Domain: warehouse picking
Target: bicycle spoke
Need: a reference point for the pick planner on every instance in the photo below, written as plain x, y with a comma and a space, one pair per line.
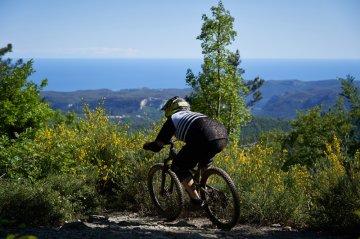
169, 198
222, 203
220, 199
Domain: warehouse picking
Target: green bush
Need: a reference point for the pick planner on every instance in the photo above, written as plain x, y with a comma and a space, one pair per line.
50, 201
267, 193
336, 208
132, 193
32, 204
19, 158
80, 192
337, 201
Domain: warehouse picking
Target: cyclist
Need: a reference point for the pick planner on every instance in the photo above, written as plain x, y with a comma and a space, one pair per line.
204, 138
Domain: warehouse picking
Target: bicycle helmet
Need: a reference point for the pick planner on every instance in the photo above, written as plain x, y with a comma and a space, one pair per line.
174, 105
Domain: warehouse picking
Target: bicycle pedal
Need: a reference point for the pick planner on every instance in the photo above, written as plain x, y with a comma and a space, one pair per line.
197, 202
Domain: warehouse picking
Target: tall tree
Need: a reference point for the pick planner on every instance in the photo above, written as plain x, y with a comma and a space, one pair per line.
21, 108
351, 94
219, 90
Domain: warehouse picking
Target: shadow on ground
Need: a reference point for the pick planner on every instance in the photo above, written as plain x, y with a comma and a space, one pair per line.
132, 226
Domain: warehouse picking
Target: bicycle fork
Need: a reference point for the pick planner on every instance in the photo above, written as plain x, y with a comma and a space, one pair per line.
164, 191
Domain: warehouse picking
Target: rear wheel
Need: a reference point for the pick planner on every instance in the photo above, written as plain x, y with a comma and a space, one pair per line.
169, 200
222, 203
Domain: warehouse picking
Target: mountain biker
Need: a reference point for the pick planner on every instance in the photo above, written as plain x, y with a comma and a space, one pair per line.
204, 138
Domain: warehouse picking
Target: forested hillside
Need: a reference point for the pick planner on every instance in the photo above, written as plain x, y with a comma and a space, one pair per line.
281, 99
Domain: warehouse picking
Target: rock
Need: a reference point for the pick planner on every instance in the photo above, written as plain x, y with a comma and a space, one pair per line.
276, 225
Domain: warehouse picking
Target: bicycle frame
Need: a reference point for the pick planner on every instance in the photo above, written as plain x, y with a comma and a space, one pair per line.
172, 155
196, 173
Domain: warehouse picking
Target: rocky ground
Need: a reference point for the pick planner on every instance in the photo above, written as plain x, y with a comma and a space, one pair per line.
133, 226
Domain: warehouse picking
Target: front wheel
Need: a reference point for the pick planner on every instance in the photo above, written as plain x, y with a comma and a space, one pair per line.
165, 191
222, 203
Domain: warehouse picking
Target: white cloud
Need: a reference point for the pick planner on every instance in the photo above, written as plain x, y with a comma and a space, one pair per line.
91, 52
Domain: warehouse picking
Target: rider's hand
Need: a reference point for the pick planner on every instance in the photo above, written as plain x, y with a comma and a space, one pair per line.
147, 146
155, 146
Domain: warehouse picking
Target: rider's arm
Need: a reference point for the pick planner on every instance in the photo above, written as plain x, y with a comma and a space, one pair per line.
163, 138
155, 146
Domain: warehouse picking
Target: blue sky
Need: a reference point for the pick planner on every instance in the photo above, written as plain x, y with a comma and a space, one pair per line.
168, 28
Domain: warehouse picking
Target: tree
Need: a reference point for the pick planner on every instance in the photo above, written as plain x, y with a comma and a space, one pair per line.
351, 94
311, 131
219, 90
21, 107
305, 144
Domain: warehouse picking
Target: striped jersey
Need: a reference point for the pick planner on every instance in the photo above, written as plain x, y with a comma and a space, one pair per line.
192, 128
182, 121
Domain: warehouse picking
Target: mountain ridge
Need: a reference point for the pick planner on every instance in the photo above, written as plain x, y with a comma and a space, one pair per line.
281, 99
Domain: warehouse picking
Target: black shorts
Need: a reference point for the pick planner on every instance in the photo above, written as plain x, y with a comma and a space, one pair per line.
191, 155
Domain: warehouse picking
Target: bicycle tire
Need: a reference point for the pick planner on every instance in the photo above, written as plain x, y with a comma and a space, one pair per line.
222, 204
171, 204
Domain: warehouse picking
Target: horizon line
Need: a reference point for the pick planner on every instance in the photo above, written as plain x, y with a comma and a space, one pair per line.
175, 58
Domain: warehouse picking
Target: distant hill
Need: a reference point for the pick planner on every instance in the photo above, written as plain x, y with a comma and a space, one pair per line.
281, 99
116, 102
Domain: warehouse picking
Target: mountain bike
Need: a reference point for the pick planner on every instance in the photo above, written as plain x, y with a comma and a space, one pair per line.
216, 189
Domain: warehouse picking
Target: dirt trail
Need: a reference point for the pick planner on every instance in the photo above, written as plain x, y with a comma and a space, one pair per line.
133, 226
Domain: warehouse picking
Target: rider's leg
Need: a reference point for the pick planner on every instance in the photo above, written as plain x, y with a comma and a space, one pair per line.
189, 156
210, 150
190, 188
202, 169
182, 165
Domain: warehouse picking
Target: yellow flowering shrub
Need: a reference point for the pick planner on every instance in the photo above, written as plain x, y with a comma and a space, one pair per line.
334, 156
327, 174
324, 194
267, 192
96, 144
336, 189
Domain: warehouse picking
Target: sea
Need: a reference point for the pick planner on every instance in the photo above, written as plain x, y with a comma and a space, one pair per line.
116, 74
